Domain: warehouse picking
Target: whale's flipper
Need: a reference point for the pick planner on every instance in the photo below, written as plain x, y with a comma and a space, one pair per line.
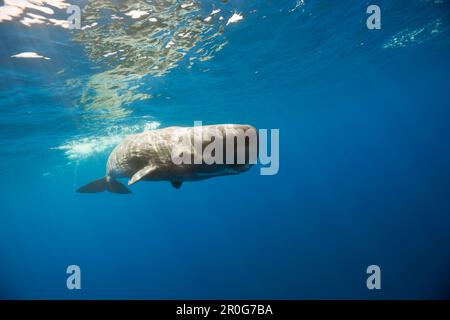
103, 184
138, 176
176, 184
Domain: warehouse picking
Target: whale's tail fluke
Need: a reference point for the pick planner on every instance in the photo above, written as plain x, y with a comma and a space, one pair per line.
103, 184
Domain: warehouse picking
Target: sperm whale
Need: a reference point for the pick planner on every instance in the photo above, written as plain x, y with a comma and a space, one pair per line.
178, 154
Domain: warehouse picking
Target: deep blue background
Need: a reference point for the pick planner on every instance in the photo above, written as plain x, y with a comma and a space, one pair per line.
364, 166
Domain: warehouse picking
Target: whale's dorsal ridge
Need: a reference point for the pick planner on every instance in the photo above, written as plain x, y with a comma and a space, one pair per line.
138, 176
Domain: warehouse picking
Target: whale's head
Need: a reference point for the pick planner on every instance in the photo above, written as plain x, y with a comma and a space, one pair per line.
224, 148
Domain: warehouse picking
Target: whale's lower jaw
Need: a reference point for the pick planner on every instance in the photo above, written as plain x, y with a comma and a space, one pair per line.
109, 183
193, 172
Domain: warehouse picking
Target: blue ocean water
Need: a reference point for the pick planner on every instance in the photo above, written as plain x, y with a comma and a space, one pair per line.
364, 173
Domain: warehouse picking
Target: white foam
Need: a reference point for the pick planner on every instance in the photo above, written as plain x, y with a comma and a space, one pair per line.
169, 44
109, 54
85, 147
298, 4
89, 26
416, 36
187, 5
29, 55
136, 14
236, 17
18, 9
114, 17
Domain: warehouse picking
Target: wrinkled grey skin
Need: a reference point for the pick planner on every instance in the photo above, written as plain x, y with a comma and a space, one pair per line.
148, 156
